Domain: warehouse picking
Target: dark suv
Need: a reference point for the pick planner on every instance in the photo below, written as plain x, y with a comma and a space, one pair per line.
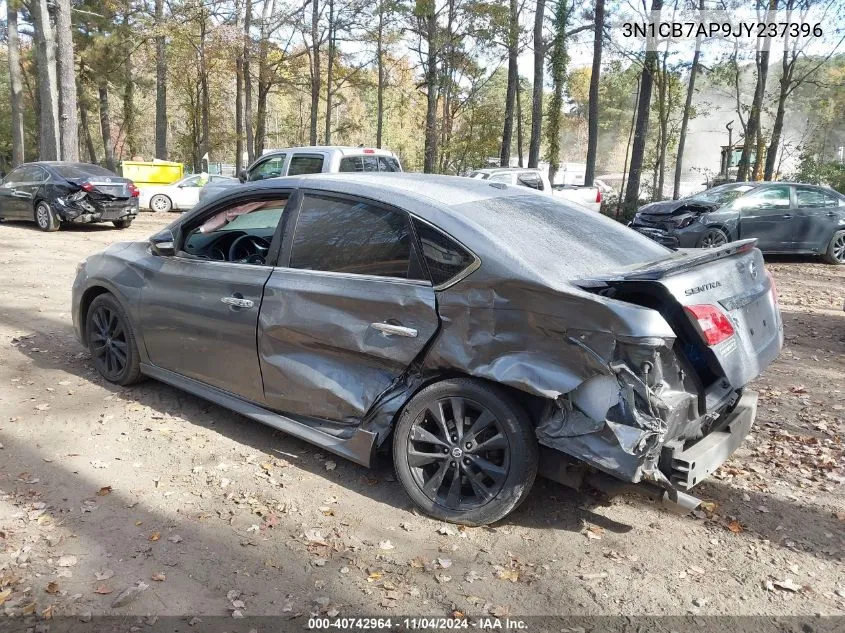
784, 217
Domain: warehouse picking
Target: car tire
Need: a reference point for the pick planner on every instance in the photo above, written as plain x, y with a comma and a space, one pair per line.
111, 341
161, 203
125, 223
835, 253
713, 237
457, 477
45, 217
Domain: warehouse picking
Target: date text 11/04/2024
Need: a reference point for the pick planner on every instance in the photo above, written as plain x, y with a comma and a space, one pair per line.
486, 623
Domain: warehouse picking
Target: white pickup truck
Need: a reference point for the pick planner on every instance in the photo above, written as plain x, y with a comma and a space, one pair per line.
589, 197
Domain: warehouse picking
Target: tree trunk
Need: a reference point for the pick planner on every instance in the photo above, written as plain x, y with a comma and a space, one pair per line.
264, 78
632, 191
537, 88
161, 83
315, 69
513, 78
519, 123
129, 102
205, 99
68, 126
663, 140
239, 113
558, 62
84, 124
682, 138
593, 105
15, 83
330, 73
777, 127
48, 139
105, 126
430, 149
628, 150
248, 118
380, 65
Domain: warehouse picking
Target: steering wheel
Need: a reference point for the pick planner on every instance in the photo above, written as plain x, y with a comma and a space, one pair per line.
253, 249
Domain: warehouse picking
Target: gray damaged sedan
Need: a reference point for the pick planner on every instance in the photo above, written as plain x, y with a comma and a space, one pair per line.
486, 332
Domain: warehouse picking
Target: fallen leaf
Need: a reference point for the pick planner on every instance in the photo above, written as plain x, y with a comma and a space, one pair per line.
446, 530
417, 562
735, 527
102, 492
386, 545
52, 587
500, 611
444, 563
442, 578
67, 561
374, 576
708, 506
47, 614
175, 538
103, 588
130, 594
103, 574
788, 584
330, 465
507, 574
472, 575
28, 609
159, 577
4, 595
155, 536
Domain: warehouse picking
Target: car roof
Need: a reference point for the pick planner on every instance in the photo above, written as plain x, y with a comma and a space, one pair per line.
498, 170
345, 150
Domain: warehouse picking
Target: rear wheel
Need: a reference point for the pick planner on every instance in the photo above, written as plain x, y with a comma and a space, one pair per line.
836, 249
160, 202
125, 223
112, 341
45, 218
713, 238
465, 452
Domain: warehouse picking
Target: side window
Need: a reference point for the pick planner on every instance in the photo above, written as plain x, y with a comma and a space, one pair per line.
305, 164
832, 200
270, 168
530, 179
388, 163
16, 175
240, 233
808, 197
766, 198
193, 181
32, 173
444, 257
351, 163
335, 235
508, 178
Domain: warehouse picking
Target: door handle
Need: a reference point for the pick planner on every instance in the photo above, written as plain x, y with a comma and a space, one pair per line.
388, 329
237, 302
831, 214
787, 216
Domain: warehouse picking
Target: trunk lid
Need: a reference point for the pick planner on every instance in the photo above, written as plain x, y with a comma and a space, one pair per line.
104, 189
730, 281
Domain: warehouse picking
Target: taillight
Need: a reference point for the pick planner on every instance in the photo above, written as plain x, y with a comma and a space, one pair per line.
774, 287
134, 192
87, 186
598, 195
713, 324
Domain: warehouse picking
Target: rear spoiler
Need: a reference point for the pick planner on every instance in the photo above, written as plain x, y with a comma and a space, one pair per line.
681, 260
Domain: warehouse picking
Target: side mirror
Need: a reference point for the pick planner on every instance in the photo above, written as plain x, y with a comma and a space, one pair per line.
163, 243
243, 176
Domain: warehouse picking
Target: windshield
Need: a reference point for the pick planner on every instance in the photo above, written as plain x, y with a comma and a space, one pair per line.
82, 170
250, 215
723, 193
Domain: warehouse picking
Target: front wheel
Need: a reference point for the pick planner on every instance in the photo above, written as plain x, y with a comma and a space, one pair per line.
836, 249
46, 218
112, 341
125, 223
713, 238
160, 203
465, 452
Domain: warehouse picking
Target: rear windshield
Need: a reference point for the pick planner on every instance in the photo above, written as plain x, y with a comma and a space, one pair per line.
559, 239
82, 170
369, 162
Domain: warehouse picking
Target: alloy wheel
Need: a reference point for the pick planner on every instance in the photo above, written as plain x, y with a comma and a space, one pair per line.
108, 342
160, 203
42, 216
713, 239
458, 453
838, 249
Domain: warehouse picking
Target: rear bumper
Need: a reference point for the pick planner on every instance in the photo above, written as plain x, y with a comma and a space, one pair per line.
689, 466
85, 211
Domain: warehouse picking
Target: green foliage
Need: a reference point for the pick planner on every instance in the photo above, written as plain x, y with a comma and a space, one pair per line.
820, 172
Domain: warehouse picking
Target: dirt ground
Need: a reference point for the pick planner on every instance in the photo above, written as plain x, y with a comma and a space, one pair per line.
207, 513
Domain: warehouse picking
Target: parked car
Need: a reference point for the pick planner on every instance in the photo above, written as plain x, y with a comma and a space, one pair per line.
297, 161
180, 195
589, 197
52, 193
485, 331
784, 218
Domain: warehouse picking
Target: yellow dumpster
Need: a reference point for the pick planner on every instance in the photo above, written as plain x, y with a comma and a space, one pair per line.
153, 172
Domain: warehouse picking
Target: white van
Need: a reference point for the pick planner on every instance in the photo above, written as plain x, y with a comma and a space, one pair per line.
295, 161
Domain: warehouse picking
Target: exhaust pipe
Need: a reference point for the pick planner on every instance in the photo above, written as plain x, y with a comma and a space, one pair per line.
673, 499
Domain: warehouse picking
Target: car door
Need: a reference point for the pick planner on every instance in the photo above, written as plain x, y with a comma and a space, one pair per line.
306, 163
11, 206
767, 214
348, 314
187, 193
31, 180
198, 316
816, 218
271, 166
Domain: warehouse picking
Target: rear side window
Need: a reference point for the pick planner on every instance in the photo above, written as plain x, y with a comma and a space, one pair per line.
530, 179
369, 163
346, 236
388, 163
444, 257
808, 197
305, 164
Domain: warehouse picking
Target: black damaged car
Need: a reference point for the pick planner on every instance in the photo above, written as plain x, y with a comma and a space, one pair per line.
52, 193
783, 217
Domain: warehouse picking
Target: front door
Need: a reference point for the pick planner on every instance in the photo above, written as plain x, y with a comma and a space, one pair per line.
817, 218
187, 193
199, 309
349, 314
11, 205
767, 214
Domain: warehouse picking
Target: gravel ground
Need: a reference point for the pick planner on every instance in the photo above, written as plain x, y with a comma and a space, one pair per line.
207, 513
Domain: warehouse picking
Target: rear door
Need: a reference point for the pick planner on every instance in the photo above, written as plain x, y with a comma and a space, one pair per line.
816, 218
350, 312
767, 214
11, 206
